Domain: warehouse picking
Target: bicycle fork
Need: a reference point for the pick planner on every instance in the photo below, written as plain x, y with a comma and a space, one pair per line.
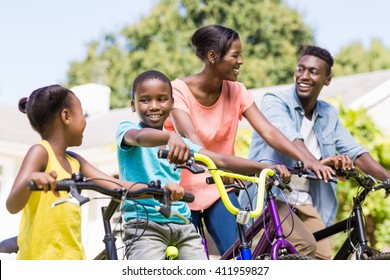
245, 250
363, 246
109, 238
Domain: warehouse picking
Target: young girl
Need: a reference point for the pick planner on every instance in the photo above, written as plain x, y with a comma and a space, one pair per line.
45, 232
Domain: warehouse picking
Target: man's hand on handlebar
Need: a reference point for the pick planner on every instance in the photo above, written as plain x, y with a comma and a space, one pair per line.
339, 162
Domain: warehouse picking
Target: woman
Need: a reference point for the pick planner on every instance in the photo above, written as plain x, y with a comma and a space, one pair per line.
208, 107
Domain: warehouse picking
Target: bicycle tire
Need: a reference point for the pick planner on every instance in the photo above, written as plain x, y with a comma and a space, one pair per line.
101, 256
290, 257
380, 256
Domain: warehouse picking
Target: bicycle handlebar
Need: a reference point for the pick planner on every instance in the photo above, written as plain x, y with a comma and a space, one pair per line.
78, 183
217, 175
366, 181
298, 169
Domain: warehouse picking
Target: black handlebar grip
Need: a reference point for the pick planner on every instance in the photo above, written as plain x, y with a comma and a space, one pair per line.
188, 197
32, 186
162, 153
62, 185
210, 180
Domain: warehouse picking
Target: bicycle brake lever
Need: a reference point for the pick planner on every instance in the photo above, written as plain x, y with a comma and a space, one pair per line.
75, 198
278, 182
165, 208
308, 174
65, 200
387, 184
75, 193
191, 166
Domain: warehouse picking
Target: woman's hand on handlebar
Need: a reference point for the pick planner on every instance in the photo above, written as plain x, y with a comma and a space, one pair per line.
45, 181
177, 192
283, 171
322, 171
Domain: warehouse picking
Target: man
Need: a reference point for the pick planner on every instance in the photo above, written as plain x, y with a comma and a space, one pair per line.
314, 125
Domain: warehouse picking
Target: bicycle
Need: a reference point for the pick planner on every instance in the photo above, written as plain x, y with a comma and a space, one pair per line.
356, 240
272, 244
78, 183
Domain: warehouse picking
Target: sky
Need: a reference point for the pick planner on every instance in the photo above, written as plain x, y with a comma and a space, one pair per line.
40, 38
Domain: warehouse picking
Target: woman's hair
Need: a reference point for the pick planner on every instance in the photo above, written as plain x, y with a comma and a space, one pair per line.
44, 104
320, 53
213, 37
150, 75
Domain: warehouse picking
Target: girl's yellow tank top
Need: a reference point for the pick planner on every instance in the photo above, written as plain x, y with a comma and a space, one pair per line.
51, 233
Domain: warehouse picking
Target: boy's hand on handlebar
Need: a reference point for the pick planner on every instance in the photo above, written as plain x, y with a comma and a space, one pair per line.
284, 173
177, 192
322, 171
45, 181
178, 152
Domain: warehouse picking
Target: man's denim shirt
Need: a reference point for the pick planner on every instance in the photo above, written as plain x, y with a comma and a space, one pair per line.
285, 112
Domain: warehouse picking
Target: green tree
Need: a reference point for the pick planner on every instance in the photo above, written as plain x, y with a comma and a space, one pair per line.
375, 206
353, 58
271, 32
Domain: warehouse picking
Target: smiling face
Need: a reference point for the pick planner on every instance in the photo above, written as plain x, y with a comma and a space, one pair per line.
310, 76
229, 65
153, 102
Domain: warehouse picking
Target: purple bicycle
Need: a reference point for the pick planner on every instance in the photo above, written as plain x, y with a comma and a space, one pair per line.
272, 244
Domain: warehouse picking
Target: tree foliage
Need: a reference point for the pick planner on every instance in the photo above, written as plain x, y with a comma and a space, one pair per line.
375, 206
353, 58
271, 32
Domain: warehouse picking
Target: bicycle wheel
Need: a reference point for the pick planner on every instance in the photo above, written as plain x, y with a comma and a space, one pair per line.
101, 256
380, 256
295, 257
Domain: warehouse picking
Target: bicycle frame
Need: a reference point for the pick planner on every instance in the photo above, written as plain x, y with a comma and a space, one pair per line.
272, 242
242, 216
357, 238
110, 251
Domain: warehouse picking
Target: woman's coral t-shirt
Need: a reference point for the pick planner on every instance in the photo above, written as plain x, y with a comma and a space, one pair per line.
216, 125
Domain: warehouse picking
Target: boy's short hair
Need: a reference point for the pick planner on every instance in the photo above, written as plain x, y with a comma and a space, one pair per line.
151, 75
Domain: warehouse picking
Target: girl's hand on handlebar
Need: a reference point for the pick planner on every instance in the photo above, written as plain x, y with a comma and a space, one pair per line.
177, 192
45, 181
322, 171
178, 152
284, 173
